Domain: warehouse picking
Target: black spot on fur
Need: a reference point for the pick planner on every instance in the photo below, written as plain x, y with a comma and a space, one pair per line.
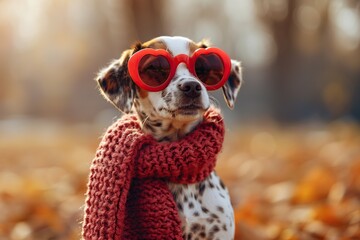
195, 227
202, 234
224, 227
163, 93
175, 195
213, 230
168, 98
185, 198
201, 188
222, 184
210, 220
213, 215
180, 206
204, 209
191, 205
196, 214
189, 236
220, 209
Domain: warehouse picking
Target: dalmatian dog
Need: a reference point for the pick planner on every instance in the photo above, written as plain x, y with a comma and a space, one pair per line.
170, 100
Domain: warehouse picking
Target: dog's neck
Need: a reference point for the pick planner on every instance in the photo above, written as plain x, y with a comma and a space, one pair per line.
167, 129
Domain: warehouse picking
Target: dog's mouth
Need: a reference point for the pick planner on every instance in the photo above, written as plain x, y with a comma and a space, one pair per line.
186, 110
189, 109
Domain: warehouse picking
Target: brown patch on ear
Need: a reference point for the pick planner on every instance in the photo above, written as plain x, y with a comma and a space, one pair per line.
115, 83
107, 84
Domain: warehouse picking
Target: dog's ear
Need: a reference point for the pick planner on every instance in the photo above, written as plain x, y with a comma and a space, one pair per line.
115, 83
233, 84
204, 43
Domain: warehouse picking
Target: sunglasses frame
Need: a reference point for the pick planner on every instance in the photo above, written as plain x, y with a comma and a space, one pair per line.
133, 66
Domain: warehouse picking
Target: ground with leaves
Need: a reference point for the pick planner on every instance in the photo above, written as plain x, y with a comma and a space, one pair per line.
299, 182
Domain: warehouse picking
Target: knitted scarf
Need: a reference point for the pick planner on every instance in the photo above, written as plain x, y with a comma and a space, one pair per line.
128, 196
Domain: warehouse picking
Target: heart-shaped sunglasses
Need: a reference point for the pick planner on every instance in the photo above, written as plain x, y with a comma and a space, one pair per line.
153, 69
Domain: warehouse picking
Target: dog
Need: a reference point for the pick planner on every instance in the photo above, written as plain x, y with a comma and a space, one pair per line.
173, 110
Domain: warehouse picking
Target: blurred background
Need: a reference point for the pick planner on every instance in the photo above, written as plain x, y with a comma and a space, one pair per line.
291, 158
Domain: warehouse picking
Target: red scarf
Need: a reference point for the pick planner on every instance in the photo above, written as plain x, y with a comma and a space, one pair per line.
128, 196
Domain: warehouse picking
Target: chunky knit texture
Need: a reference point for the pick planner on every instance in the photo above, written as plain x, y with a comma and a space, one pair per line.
128, 196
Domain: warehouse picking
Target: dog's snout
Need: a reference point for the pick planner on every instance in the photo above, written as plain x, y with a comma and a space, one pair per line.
190, 89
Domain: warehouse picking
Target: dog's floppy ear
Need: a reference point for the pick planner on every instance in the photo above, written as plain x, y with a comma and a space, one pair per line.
233, 84
115, 83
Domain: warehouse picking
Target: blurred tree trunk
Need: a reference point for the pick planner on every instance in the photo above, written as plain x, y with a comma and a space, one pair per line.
282, 69
147, 18
295, 74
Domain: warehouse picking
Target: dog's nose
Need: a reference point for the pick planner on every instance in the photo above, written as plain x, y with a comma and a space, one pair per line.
190, 89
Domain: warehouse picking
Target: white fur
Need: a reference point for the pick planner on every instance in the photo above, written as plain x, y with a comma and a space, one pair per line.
177, 45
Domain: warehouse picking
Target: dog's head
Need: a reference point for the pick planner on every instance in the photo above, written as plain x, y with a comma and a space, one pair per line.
185, 98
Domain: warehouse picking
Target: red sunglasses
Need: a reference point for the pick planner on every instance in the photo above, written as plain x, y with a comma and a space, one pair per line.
153, 69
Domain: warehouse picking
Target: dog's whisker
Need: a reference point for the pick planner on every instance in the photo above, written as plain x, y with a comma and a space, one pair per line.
143, 122
168, 93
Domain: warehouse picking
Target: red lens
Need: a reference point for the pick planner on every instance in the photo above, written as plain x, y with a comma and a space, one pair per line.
154, 70
209, 68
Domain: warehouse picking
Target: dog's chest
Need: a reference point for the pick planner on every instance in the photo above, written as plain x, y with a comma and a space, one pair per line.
205, 209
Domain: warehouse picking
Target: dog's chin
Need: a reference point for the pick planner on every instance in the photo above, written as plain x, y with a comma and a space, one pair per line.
188, 116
